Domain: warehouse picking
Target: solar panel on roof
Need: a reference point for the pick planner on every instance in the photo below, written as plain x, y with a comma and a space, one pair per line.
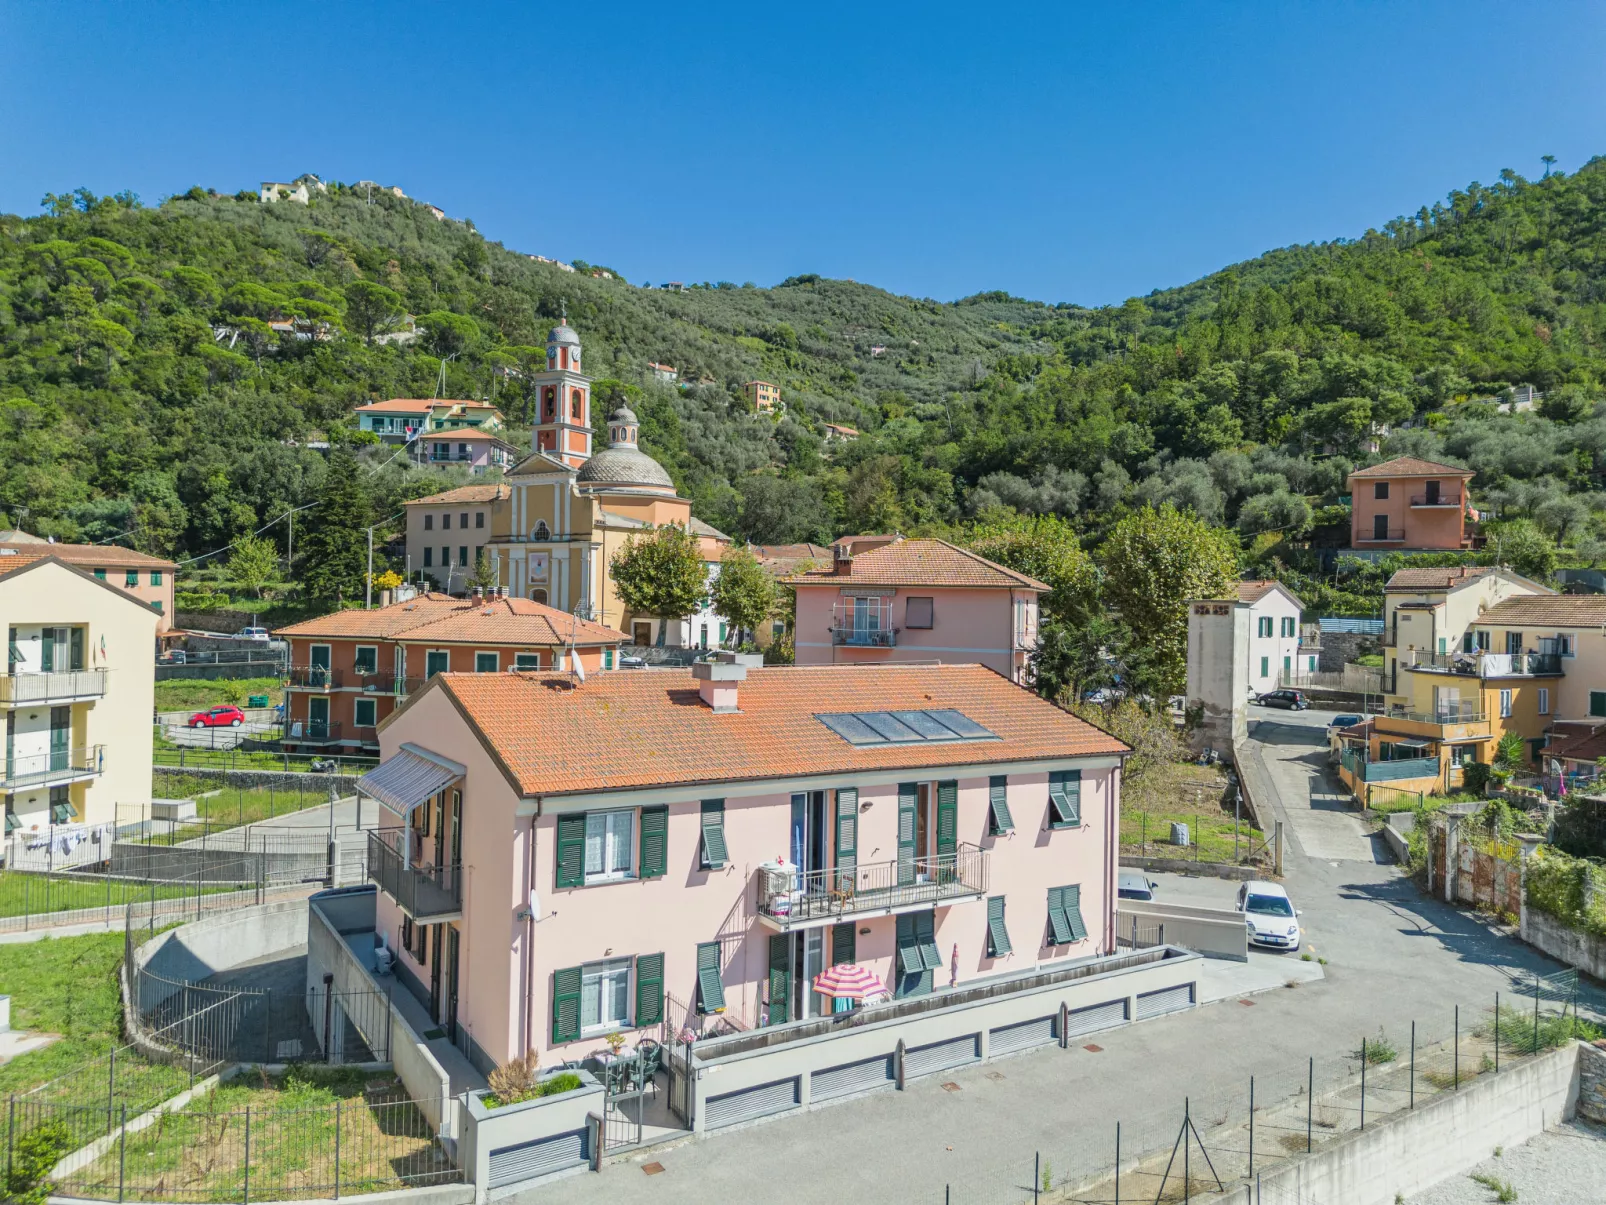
866, 729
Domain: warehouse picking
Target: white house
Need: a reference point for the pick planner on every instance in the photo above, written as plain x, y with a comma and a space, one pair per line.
1238, 647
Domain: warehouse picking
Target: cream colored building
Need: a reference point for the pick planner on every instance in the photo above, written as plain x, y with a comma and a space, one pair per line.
1428, 612
78, 697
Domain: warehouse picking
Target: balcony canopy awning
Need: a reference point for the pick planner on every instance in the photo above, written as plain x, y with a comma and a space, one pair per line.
408, 777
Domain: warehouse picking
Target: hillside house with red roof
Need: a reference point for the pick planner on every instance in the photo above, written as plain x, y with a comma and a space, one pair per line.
1409, 504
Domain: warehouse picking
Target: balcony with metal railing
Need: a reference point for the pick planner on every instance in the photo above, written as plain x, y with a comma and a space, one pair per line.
1485, 665
863, 623
1394, 535
1435, 499
1451, 722
314, 677
1310, 637
71, 686
800, 899
54, 768
425, 892
1355, 761
312, 732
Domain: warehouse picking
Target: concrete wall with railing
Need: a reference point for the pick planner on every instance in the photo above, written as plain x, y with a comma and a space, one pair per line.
204, 947
803, 1050
1213, 932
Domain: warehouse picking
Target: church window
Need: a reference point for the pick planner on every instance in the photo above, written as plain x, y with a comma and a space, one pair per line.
576, 402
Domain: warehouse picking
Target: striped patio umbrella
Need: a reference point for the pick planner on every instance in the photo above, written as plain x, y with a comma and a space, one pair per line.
848, 980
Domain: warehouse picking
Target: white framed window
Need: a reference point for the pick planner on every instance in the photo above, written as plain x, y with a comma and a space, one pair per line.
1288, 625
1544, 700
1505, 704
605, 996
365, 712
365, 659
526, 660
609, 842
1565, 646
486, 663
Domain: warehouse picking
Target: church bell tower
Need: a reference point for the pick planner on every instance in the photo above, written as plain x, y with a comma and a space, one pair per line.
563, 400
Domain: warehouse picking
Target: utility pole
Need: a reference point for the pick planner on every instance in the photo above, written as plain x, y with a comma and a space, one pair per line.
368, 584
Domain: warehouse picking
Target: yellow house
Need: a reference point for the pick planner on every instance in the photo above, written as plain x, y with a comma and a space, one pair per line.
78, 697
568, 512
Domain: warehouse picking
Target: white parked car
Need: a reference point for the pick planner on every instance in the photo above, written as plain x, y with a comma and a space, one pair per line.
1269, 915
1135, 885
254, 634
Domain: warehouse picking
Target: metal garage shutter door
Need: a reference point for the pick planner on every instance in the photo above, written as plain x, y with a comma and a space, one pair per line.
511, 1164
749, 1103
1022, 1036
1094, 1018
1166, 1000
851, 1077
939, 1056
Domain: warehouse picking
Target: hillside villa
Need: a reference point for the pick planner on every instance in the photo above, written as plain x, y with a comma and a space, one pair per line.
446, 531
1407, 504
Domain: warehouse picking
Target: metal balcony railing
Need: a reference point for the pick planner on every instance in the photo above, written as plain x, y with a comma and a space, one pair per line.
426, 893
52, 688
1435, 499
373, 681
801, 897
1467, 713
315, 677
1392, 536
58, 765
866, 638
1490, 665
1310, 635
309, 732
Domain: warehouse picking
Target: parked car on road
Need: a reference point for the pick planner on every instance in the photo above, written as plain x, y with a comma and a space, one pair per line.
1135, 885
631, 661
226, 716
1293, 700
1345, 721
254, 634
1269, 915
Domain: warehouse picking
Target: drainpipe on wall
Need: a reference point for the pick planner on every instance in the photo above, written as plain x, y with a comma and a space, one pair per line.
529, 939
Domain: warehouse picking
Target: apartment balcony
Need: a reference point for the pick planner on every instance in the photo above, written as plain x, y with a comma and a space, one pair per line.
372, 682
1486, 665
1400, 770
1310, 637
1392, 536
315, 678
56, 768
1452, 501
1457, 724
428, 894
74, 686
865, 638
312, 732
790, 899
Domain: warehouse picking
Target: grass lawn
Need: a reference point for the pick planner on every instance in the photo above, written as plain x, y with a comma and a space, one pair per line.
193, 694
231, 806
199, 1154
165, 753
1190, 794
23, 893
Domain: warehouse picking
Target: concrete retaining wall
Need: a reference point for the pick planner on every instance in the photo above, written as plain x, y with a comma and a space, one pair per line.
204, 947
486, 1130
1213, 932
1582, 950
1413, 1150
1216, 870
278, 779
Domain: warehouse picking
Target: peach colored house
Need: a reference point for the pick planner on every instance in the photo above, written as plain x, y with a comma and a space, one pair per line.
446, 531
561, 860
350, 669
148, 579
1406, 503
885, 598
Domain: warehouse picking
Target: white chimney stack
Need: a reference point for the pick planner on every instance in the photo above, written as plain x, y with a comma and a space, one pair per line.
717, 680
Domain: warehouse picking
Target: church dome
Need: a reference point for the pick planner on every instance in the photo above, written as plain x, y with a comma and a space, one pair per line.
563, 333
624, 466
625, 415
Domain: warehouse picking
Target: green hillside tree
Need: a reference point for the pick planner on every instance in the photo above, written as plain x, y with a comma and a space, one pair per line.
661, 573
743, 593
334, 552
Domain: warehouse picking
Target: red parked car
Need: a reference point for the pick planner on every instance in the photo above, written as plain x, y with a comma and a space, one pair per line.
227, 716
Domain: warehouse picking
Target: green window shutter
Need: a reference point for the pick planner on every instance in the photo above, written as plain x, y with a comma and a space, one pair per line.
572, 850
926, 938
1071, 898
780, 979
654, 860
997, 932
566, 1004
711, 992
1065, 798
947, 818
649, 989
847, 836
715, 855
999, 821
909, 960
844, 944
908, 795
1059, 925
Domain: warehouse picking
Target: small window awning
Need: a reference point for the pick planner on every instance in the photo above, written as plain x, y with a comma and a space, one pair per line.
408, 777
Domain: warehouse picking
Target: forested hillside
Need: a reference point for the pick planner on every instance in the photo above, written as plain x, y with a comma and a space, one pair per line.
142, 390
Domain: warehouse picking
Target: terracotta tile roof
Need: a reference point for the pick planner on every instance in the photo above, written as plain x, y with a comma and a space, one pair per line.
553, 736
920, 563
1410, 466
1562, 610
1444, 578
442, 619
782, 560
1253, 592
94, 555
465, 493
1586, 746
420, 405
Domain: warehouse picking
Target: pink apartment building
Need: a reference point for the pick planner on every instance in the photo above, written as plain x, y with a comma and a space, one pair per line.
885, 598
1406, 503
563, 859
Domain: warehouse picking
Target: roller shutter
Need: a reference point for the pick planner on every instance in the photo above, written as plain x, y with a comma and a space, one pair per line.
1021, 1036
734, 1107
851, 1077
1166, 1000
1095, 1017
511, 1164
939, 1056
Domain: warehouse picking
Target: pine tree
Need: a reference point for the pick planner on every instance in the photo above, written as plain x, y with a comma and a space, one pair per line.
334, 556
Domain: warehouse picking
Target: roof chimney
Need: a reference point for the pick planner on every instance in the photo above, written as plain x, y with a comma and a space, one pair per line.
842, 563
717, 680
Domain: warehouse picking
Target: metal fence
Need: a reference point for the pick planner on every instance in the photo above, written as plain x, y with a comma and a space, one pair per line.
1208, 1144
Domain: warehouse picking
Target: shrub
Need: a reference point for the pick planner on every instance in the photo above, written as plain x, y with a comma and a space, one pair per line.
1572, 890
1475, 778
34, 1154
514, 1081
566, 1081
1378, 1050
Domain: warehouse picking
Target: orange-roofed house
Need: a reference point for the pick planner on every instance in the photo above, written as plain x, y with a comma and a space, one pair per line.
1407, 503
446, 531
886, 598
686, 850
147, 579
351, 669
441, 431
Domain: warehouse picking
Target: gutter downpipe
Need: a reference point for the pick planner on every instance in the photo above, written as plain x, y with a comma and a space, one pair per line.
529, 936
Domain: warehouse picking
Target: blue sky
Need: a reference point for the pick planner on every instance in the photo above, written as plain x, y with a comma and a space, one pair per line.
1067, 152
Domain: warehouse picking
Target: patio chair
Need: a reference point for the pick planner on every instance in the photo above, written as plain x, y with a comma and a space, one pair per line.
651, 1062
616, 1076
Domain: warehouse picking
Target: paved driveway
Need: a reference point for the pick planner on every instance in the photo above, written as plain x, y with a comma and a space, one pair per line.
1393, 956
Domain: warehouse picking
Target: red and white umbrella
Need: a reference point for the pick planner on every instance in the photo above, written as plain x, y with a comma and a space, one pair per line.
849, 980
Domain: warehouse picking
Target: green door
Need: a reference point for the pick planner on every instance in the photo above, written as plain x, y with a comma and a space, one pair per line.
780, 978
319, 661
60, 737
317, 718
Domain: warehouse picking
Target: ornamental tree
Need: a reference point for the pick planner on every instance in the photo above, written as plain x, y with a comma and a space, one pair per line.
661, 572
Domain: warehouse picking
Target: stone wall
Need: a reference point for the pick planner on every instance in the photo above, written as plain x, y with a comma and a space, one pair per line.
1340, 648
1592, 1082
1582, 950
